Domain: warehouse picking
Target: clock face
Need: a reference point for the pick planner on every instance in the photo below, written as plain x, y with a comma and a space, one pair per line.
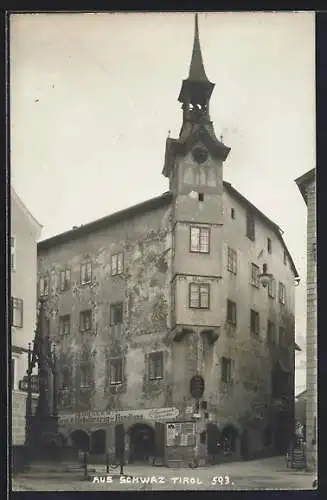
199, 155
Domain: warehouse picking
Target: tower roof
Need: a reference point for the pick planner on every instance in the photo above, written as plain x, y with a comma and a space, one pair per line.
196, 88
197, 72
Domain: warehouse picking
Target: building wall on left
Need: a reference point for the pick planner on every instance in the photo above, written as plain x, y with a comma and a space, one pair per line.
25, 231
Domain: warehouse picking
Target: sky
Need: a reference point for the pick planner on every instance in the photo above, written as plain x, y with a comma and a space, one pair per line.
94, 96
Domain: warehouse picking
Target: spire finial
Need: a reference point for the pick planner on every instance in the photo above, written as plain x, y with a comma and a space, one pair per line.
197, 72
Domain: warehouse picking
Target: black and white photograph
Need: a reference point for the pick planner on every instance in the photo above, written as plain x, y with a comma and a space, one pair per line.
163, 310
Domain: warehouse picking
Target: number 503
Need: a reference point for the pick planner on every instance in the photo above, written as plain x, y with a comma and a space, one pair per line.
221, 480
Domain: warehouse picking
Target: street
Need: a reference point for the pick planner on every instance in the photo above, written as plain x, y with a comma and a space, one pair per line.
269, 473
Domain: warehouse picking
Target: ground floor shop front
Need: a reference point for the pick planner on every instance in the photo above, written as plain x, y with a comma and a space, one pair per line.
169, 436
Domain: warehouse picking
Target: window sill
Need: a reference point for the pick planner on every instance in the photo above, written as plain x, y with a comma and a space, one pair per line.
115, 384
153, 379
86, 283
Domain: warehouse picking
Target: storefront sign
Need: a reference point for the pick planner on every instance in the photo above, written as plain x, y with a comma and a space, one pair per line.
116, 416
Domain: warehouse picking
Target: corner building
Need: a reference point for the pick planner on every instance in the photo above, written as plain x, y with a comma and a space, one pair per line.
142, 300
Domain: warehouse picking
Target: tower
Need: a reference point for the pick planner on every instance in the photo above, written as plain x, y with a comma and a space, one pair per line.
194, 166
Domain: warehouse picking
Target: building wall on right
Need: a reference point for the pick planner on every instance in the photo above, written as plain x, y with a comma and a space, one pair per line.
307, 186
311, 415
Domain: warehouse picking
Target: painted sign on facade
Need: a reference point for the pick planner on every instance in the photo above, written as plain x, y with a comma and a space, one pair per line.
116, 416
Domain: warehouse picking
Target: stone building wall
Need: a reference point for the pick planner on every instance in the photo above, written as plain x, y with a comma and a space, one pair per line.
311, 416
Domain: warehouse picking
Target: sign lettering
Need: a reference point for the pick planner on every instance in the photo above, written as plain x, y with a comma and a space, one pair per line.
116, 416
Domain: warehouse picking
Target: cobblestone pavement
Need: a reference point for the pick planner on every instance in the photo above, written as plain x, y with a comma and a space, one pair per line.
261, 474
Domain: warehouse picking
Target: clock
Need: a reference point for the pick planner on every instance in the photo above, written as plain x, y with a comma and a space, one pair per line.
200, 155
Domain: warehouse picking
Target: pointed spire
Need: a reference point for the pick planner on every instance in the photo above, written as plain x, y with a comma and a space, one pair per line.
196, 89
197, 72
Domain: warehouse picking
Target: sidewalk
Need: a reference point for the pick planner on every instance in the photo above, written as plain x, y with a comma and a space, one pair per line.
268, 473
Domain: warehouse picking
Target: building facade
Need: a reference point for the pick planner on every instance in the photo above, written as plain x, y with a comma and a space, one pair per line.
25, 231
307, 187
142, 300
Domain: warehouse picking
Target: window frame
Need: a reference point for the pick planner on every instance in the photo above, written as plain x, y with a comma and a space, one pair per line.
44, 290
112, 307
20, 302
271, 332
231, 306
83, 314
64, 319
272, 286
64, 371
85, 371
13, 253
226, 370
255, 314
198, 286
201, 230
250, 226
255, 281
152, 371
116, 270
281, 296
282, 336
85, 265
111, 363
65, 283
232, 260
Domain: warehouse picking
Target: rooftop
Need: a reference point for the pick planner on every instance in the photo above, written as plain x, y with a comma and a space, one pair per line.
151, 204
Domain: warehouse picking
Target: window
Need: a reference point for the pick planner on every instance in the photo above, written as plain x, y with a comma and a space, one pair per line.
255, 322
282, 337
16, 312
85, 376
226, 370
155, 365
65, 279
250, 226
13, 253
201, 197
116, 313
85, 320
199, 295
199, 239
116, 371
231, 312
272, 288
64, 325
203, 437
268, 245
232, 213
117, 264
271, 332
255, 272
66, 378
86, 273
281, 293
44, 286
232, 261
285, 258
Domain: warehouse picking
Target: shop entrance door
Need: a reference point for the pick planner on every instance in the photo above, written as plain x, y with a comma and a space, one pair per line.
142, 443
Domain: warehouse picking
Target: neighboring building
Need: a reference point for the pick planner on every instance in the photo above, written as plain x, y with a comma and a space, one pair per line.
307, 186
141, 300
25, 231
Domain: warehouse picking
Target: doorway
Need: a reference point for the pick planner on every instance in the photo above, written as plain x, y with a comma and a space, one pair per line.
141, 443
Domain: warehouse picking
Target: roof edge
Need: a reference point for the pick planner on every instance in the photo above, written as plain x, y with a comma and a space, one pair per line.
272, 224
108, 220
